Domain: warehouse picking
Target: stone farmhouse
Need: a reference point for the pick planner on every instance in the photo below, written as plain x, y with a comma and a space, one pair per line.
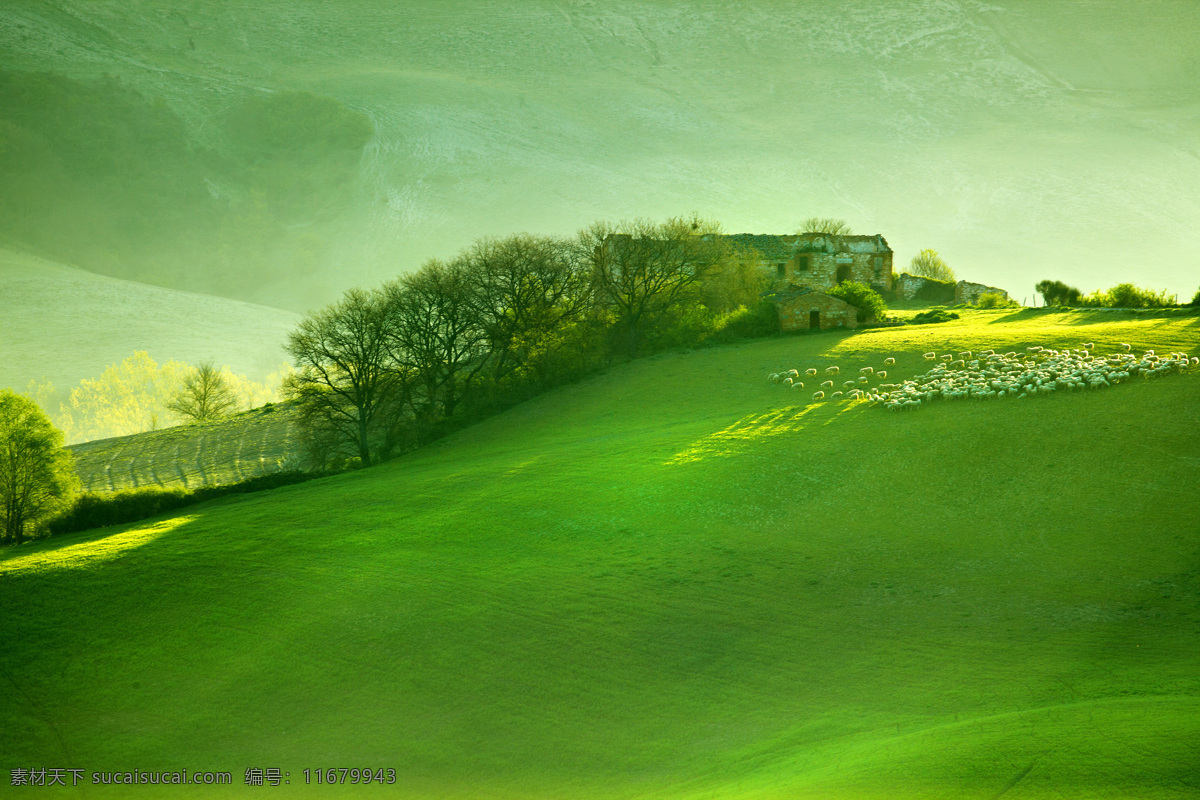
802, 266
822, 260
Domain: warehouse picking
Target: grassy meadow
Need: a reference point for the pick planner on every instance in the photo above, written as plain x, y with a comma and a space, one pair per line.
674, 580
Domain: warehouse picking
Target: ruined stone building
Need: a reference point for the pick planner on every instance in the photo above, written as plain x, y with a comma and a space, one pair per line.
801, 267
822, 260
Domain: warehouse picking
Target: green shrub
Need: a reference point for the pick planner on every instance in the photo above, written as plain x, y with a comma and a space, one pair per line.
994, 300
928, 264
868, 302
1057, 293
933, 315
748, 322
1195, 299
1126, 295
98, 509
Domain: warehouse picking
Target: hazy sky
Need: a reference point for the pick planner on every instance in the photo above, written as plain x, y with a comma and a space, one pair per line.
1023, 140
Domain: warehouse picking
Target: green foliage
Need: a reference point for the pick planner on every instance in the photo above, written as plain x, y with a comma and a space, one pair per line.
1195, 299
647, 272
995, 300
748, 322
928, 264
870, 305
1057, 293
1127, 295
141, 395
205, 395
933, 315
837, 227
36, 473
347, 387
100, 509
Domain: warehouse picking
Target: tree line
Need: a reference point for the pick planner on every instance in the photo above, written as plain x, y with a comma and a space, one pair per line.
385, 369
1123, 295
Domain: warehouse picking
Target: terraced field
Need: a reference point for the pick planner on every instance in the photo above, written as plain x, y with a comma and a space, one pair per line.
243, 446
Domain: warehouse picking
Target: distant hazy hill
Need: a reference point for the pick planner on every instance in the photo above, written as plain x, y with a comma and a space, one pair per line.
1022, 140
66, 324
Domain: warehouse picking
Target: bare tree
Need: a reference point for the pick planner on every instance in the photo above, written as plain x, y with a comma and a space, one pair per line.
205, 395
837, 227
345, 385
435, 335
36, 473
928, 264
526, 288
642, 269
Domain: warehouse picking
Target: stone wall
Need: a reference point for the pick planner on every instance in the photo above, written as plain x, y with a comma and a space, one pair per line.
908, 287
966, 292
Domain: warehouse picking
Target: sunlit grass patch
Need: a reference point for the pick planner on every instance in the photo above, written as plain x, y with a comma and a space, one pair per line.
54, 555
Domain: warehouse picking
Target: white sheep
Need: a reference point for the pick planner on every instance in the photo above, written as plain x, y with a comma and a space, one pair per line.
848, 384
887, 362
1088, 345
835, 396
797, 385
818, 396
810, 371
930, 356
1125, 345
864, 379
787, 381
832, 370
791, 373
867, 370
826, 384
947, 357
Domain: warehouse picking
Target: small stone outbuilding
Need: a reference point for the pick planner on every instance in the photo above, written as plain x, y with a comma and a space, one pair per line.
802, 308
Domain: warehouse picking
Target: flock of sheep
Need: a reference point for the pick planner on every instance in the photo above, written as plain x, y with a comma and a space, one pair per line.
1040, 370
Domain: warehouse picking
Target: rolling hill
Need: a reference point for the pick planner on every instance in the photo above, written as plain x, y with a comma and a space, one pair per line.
671, 580
64, 324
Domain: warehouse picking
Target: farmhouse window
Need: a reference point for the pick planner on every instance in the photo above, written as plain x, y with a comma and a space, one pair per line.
781, 270
802, 263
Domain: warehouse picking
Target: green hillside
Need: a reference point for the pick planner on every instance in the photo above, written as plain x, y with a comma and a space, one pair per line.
672, 580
